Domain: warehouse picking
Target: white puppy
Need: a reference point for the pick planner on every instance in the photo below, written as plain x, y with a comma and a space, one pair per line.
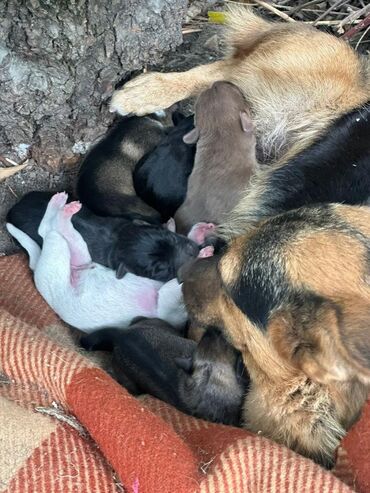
87, 295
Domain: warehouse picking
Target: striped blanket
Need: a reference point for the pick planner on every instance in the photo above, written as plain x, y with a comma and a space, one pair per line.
68, 427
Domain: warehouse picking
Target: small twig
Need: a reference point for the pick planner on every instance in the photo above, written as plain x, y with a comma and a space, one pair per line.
274, 10
190, 31
6, 172
332, 7
307, 4
353, 16
362, 37
360, 26
13, 192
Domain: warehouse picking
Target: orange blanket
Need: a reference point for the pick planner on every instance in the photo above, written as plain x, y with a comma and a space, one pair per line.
68, 427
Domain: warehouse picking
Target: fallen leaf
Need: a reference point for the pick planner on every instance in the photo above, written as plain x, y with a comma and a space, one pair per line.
6, 172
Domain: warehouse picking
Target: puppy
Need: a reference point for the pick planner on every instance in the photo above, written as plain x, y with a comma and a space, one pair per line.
142, 249
225, 158
335, 168
293, 296
296, 80
161, 176
85, 294
105, 178
205, 380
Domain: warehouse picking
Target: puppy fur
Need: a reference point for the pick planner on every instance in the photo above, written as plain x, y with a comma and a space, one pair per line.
296, 80
225, 157
85, 294
293, 296
335, 168
142, 249
206, 380
105, 178
161, 176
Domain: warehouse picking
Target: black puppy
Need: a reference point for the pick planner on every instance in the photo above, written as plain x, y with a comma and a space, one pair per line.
207, 380
161, 176
142, 249
105, 178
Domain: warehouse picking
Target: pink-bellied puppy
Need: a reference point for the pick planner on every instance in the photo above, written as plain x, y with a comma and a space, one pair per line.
85, 294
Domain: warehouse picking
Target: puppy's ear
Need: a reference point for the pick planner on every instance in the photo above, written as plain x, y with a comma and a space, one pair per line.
121, 270
171, 225
246, 122
307, 334
192, 136
185, 364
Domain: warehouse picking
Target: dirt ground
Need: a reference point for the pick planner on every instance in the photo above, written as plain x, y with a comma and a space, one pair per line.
197, 48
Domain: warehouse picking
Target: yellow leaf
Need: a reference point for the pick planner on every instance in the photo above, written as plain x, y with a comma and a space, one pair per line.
216, 17
6, 172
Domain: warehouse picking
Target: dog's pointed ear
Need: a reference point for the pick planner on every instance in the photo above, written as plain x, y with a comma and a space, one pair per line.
184, 363
192, 136
308, 335
246, 122
121, 270
171, 225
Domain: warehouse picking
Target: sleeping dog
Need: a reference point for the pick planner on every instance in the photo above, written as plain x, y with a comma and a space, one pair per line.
207, 380
124, 246
293, 296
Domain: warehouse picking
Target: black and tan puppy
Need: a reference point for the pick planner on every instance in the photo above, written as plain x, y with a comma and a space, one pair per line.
142, 249
293, 296
206, 380
225, 158
161, 176
105, 178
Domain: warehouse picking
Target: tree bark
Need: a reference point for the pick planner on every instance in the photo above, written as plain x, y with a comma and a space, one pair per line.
60, 61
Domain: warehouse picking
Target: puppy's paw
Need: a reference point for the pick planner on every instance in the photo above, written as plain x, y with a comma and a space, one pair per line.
148, 93
72, 208
59, 200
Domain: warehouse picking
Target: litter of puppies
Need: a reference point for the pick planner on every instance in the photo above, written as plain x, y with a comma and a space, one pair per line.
277, 320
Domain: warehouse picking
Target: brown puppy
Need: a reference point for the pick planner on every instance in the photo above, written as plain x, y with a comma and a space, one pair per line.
296, 79
293, 296
225, 157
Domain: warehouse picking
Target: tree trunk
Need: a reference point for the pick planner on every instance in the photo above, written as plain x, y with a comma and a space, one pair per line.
60, 61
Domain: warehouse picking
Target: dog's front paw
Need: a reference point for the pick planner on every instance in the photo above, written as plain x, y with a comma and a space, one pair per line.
147, 93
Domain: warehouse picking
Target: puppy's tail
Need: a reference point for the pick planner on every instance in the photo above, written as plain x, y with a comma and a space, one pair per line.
244, 30
27, 243
101, 340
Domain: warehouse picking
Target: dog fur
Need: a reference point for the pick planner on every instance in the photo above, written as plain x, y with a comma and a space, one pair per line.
161, 176
296, 80
225, 158
293, 296
87, 295
206, 380
122, 245
105, 183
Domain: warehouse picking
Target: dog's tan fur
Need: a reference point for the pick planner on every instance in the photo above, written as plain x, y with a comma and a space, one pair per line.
292, 75
310, 367
296, 79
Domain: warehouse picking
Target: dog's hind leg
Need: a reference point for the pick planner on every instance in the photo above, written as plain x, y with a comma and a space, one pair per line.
80, 256
155, 91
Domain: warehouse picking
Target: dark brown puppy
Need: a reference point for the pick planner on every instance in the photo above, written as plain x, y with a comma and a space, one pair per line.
293, 296
225, 157
207, 380
105, 183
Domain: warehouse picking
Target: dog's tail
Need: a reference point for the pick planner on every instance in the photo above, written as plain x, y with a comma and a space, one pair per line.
101, 340
244, 30
27, 243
